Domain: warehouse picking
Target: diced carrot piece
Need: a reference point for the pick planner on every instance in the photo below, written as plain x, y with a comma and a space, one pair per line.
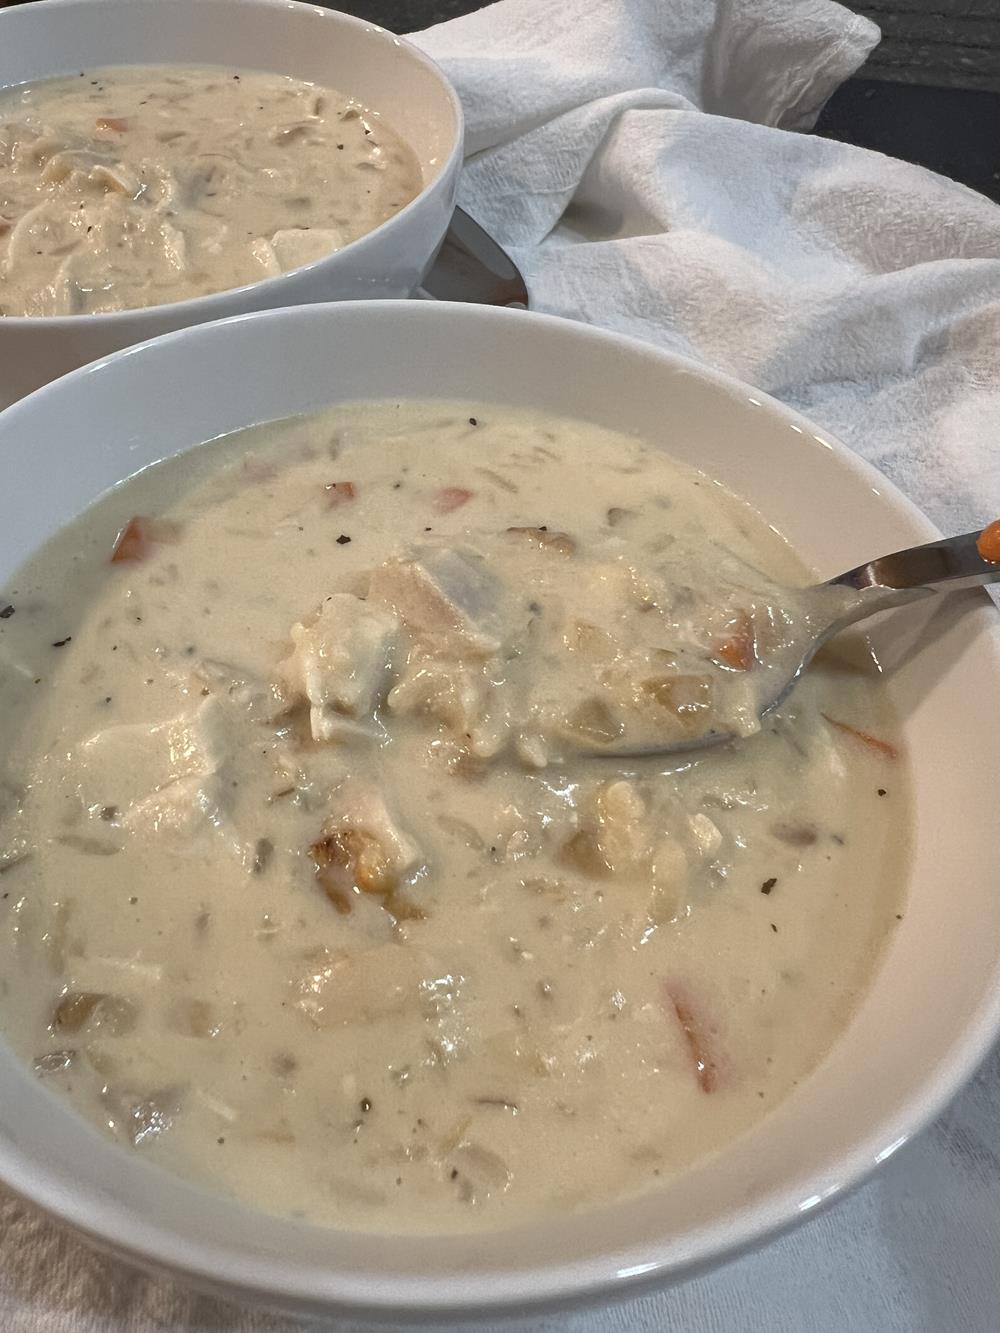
339, 493
451, 498
116, 123
140, 535
738, 650
988, 544
133, 541
875, 743
700, 1037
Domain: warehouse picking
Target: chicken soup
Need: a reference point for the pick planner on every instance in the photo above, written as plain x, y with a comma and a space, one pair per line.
136, 186
321, 882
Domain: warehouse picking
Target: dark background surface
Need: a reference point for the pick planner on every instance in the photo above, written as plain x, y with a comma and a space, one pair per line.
930, 92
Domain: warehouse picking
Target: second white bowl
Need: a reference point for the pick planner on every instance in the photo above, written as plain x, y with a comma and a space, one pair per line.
386, 73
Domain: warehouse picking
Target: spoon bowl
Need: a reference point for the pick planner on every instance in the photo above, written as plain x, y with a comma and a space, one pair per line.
948, 565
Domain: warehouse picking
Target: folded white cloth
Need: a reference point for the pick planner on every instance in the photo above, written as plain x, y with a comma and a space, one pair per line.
641, 161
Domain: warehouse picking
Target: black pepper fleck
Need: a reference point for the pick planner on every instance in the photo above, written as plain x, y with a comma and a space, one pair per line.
6, 612
473, 421
774, 928
343, 539
881, 791
454, 1173
366, 1104
61, 643
769, 884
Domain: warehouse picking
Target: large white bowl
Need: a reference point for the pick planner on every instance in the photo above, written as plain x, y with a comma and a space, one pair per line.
51, 37
934, 1005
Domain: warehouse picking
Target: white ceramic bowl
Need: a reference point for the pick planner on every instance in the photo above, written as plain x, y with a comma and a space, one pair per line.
52, 37
934, 1005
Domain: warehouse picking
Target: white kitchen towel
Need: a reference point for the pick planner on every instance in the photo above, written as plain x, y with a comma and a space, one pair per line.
635, 159
642, 161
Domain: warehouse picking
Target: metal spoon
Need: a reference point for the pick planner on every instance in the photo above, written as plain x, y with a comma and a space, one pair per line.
891, 580
471, 266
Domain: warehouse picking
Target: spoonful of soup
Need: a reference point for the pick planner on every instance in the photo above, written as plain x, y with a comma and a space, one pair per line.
725, 670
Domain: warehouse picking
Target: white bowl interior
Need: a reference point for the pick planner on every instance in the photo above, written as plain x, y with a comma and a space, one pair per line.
935, 1003
306, 41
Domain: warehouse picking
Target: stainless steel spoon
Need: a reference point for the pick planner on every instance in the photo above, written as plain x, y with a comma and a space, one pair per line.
891, 580
471, 266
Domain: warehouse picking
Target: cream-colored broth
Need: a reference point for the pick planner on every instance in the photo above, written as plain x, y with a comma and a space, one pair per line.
134, 186
364, 955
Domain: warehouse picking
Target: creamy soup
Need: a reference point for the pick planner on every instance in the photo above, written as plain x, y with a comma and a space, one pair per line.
313, 888
134, 186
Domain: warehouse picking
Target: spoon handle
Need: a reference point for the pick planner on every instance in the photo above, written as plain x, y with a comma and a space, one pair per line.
937, 563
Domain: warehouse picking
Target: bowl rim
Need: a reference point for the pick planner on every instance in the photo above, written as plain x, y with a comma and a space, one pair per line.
194, 307
640, 1265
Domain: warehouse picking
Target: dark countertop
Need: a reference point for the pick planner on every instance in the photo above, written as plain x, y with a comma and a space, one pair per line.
955, 131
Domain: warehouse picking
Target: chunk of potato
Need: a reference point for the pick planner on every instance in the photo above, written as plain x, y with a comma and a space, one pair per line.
337, 989
341, 661
294, 246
